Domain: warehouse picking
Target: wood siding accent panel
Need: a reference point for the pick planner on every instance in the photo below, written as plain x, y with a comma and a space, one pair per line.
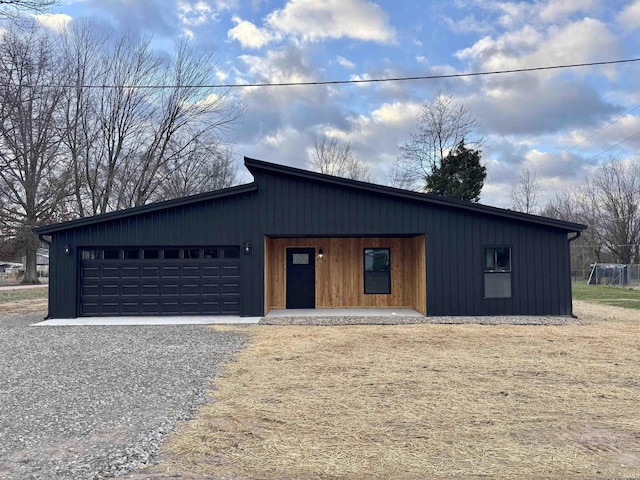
340, 273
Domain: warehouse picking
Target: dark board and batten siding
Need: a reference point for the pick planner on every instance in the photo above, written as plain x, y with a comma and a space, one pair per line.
285, 202
223, 221
455, 241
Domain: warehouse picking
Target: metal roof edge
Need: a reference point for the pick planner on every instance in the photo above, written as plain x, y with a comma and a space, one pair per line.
252, 163
151, 207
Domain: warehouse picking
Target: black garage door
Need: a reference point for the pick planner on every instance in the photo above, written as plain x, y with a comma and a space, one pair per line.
159, 281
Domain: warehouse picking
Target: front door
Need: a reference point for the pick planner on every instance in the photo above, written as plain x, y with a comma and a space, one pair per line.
301, 278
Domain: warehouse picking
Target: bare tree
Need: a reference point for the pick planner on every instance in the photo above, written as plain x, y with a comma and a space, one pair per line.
441, 126
14, 8
332, 157
33, 176
185, 116
526, 193
156, 114
200, 170
613, 198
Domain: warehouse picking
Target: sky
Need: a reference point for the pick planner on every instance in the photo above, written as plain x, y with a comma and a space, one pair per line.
560, 124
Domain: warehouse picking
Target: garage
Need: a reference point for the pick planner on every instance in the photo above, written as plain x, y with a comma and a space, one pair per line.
159, 280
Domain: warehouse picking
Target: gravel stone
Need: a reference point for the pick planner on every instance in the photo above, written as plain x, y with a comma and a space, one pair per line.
96, 402
406, 320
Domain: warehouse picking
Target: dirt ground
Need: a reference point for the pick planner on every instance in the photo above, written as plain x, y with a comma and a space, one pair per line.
423, 401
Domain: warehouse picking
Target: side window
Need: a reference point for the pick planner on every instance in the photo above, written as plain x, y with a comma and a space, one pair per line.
377, 271
497, 272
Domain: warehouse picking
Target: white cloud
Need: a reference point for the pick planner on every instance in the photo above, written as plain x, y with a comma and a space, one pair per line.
581, 41
194, 13
557, 10
629, 18
57, 22
345, 63
314, 20
249, 35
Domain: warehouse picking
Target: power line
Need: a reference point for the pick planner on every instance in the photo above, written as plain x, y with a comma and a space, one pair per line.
598, 154
588, 138
356, 81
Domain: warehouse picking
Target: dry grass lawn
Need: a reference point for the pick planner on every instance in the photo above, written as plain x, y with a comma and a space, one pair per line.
28, 300
423, 401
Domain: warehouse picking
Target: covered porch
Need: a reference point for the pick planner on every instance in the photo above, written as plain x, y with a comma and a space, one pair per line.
337, 269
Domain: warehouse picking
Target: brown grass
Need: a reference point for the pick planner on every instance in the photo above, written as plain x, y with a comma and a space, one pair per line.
25, 300
423, 401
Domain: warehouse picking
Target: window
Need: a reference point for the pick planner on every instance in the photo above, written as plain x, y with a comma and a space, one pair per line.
192, 253
497, 272
377, 271
90, 254
171, 253
210, 253
131, 254
231, 252
151, 253
111, 254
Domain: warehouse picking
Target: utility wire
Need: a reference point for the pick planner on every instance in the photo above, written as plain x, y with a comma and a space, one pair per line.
354, 81
598, 154
555, 157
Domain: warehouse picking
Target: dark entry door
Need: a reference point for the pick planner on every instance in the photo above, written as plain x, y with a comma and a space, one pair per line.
301, 278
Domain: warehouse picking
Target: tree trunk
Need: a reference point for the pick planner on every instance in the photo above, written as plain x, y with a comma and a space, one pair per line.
30, 265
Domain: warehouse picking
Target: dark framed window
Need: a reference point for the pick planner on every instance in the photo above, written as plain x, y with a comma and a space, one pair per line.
151, 253
111, 254
497, 272
377, 270
131, 254
171, 253
90, 254
192, 253
210, 253
231, 252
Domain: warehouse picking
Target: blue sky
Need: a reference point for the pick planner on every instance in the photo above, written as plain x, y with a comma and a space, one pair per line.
559, 124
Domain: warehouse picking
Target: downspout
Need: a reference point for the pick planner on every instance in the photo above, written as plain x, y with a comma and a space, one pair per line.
571, 240
49, 243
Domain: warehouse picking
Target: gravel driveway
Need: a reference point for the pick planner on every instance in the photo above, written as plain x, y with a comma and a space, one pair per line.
95, 402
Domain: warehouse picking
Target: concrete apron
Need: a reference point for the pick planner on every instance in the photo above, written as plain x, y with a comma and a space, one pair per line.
275, 316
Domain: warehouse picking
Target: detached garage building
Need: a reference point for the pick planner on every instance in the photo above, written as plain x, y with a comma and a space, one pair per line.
299, 239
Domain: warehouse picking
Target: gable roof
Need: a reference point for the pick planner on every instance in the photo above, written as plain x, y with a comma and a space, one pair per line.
254, 166
257, 166
151, 207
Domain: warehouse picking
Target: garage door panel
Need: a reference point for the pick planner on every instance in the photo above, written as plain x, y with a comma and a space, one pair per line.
90, 272
119, 285
90, 291
130, 308
129, 290
110, 290
150, 272
210, 272
231, 289
130, 272
191, 272
211, 289
171, 272
173, 289
110, 272
152, 290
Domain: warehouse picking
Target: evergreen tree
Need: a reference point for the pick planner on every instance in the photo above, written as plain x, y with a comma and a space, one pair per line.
460, 175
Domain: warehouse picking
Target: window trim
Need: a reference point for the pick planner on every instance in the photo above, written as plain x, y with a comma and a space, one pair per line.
500, 272
364, 270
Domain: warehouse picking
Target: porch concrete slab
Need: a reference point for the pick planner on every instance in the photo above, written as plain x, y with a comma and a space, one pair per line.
128, 321
344, 312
